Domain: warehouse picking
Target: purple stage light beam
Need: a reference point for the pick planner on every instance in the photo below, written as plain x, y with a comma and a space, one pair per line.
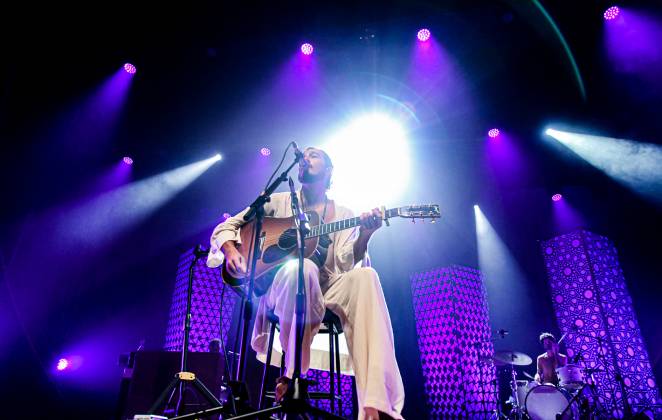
90, 125
127, 160
631, 43
265, 151
566, 217
307, 49
423, 35
493, 133
437, 84
611, 13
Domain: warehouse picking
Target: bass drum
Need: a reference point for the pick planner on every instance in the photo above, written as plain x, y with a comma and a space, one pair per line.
544, 402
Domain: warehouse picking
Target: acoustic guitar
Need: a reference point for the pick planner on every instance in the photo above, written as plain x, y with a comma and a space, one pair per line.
278, 241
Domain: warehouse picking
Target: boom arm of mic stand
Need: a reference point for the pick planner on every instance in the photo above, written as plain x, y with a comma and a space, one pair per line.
264, 198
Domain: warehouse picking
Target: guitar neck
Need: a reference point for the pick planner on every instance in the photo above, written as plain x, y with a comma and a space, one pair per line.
339, 225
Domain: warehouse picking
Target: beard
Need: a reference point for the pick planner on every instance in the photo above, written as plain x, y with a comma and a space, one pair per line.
305, 177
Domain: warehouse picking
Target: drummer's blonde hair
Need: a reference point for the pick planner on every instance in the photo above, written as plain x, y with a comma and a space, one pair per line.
546, 335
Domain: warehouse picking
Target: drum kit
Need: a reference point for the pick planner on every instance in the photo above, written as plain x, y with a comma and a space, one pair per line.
530, 399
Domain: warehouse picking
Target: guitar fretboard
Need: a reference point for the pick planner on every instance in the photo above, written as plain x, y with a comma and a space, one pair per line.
326, 228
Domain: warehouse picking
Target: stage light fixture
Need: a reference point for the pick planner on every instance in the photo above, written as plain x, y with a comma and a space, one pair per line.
62, 364
307, 49
611, 13
130, 68
423, 35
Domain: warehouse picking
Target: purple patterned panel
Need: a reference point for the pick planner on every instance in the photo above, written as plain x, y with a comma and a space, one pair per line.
452, 322
208, 288
322, 379
592, 304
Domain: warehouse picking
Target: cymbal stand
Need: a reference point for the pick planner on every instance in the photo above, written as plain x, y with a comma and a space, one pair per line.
517, 408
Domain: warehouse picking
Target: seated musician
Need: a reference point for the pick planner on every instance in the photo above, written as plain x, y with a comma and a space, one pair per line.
333, 282
549, 361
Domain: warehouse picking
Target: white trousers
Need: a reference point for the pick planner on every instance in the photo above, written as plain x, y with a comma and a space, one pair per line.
357, 298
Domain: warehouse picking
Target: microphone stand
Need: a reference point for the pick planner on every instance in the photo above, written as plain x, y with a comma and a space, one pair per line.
184, 377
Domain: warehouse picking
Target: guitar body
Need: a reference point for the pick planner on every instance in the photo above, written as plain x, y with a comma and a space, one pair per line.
277, 244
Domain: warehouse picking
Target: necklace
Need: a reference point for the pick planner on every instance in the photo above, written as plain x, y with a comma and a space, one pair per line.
326, 201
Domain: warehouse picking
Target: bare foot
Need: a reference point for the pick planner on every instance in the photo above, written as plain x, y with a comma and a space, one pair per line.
281, 387
371, 413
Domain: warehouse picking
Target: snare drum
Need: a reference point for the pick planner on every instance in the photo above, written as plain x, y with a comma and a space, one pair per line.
544, 402
570, 377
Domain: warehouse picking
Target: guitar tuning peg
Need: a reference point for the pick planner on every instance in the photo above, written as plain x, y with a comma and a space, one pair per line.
433, 221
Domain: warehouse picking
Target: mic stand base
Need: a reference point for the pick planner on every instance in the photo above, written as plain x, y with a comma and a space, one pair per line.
295, 402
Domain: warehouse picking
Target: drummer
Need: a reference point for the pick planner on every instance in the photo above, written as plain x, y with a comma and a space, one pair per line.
549, 361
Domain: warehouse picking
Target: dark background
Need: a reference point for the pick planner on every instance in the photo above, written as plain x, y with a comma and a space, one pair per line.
204, 85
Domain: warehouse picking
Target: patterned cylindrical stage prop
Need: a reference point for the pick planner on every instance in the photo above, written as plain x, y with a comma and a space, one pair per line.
208, 291
593, 305
452, 322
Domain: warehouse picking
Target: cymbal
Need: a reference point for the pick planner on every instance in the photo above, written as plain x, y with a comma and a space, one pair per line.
511, 357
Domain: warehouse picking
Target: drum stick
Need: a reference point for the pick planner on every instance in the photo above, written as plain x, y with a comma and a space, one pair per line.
562, 338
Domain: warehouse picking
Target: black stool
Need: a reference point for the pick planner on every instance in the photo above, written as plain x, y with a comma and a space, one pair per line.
330, 325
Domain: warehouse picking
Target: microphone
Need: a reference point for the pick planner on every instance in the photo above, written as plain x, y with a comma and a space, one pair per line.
301, 216
297, 152
199, 251
502, 332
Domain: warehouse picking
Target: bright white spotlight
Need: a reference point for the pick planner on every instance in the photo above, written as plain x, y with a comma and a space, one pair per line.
371, 162
633, 164
217, 157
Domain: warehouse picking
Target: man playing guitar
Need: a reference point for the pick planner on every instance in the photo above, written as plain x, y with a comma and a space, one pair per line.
333, 280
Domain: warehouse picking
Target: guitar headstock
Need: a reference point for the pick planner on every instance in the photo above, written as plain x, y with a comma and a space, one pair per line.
420, 211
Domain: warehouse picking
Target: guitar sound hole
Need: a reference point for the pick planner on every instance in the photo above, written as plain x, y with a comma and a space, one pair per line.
288, 240
286, 243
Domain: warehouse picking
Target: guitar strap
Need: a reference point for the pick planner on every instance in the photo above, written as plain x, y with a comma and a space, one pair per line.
322, 250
